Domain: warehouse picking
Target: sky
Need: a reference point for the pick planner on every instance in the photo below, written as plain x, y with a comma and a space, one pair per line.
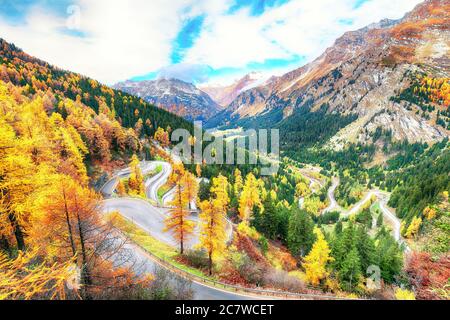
199, 41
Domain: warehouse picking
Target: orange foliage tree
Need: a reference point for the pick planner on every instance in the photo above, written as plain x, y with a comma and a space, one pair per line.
178, 222
213, 233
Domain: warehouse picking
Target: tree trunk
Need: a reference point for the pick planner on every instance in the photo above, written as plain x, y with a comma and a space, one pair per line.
69, 225
85, 274
181, 222
210, 263
17, 232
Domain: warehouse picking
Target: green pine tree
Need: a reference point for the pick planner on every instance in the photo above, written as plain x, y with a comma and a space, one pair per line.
351, 270
300, 233
366, 248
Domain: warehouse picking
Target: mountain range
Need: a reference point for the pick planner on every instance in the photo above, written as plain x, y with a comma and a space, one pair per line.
360, 77
362, 83
176, 96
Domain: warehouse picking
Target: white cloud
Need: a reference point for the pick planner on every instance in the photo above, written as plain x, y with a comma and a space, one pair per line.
233, 40
122, 40
125, 39
300, 27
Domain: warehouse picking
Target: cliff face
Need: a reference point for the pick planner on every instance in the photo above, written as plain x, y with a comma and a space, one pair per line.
363, 74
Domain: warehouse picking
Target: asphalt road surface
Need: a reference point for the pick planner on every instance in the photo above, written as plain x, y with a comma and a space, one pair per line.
151, 220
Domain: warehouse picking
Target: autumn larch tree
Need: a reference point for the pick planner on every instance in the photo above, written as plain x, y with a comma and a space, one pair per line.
178, 222
162, 136
121, 190
67, 225
315, 263
212, 230
250, 197
136, 180
302, 190
198, 170
190, 188
219, 190
238, 182
213, 234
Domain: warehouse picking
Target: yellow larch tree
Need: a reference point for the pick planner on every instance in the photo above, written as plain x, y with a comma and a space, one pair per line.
414, 227
177, 173
66, 225
7, 147
316, 261
430, 213
190, 187
250, 197
162, 136
136, 181
302, 190
212, 230
404, 294
219, 189
238, 182
17, 182
178, 222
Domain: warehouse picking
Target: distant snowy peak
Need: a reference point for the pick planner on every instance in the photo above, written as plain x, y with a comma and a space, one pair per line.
224, 95
176, 96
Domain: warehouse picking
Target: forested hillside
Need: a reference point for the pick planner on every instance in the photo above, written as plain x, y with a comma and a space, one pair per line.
47, 210
36, 75
57, 131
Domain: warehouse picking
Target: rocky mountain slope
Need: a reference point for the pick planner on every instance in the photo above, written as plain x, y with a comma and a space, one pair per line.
363, 77
224, 95
176, 96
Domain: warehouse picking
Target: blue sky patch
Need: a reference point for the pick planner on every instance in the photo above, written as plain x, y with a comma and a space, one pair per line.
257, 7
186, 37
15, 11
359, 3
347, 22
148, 76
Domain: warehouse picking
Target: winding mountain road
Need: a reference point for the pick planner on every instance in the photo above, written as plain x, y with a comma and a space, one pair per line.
383, 199
334, 206
151, 219
153, 184
109, 187
142, 213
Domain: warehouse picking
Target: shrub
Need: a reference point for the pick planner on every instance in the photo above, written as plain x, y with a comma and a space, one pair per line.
197, 258
250, 271
168, 286
280, 279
